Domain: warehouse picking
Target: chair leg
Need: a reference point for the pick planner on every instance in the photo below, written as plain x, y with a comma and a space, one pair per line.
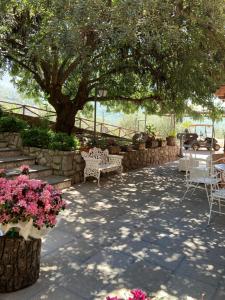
210, 211
187, 189
99, 179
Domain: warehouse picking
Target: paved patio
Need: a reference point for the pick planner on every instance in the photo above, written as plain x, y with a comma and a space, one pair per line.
133, 233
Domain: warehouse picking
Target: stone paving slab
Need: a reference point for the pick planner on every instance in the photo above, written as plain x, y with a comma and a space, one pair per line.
133, 232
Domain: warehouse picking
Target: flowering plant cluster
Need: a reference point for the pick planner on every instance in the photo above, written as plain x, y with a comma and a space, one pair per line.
136, 295
24, 199
2, 173
25, 170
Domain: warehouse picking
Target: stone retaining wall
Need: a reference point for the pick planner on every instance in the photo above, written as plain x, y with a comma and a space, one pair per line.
142, 158
66, 163
71, 164
13, 139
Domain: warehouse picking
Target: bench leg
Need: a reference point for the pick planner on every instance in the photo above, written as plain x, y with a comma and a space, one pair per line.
99, 179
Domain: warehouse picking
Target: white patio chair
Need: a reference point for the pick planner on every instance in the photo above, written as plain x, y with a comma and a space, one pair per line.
217, 202
202, 177
217, 194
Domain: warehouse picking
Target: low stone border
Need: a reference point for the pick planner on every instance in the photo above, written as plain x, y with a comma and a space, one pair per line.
71, 163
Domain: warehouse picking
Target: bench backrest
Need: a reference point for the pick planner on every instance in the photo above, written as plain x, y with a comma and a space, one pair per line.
96, 153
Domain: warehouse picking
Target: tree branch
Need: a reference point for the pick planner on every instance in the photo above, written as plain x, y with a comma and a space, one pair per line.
128, 99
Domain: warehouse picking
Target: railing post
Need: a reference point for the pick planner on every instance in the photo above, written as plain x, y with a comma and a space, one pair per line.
80, 123
24, 107
101, 127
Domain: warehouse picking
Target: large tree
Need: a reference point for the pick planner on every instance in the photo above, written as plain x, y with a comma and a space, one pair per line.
159, 54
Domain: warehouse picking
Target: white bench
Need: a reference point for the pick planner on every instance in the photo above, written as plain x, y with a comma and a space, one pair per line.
98, 161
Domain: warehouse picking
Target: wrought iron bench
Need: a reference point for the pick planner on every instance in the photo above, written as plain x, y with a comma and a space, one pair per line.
98, 161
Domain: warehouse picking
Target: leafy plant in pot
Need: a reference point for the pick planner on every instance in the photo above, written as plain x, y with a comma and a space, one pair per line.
139, 140
171, 139
162, 142
113, 147
151, 141
28, 209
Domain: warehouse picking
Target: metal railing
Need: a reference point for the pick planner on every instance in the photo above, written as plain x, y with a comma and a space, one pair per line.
81, 123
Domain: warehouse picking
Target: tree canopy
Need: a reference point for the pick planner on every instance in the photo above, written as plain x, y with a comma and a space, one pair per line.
158, 54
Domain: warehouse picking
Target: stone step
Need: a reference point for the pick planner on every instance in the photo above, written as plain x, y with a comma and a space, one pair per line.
59, 182
9, 152
3, 144
36, 171
16, 161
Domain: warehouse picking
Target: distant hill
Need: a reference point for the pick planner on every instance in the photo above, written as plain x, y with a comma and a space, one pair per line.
8, 92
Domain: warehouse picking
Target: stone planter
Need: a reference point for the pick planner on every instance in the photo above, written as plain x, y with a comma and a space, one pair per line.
171, 141
19, 264
114, 149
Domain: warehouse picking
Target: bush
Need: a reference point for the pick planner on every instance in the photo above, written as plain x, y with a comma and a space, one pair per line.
45, 138
36, 137
62, 141
12, 124
1, 112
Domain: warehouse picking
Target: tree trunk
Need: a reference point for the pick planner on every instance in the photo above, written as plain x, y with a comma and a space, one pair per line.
19, 263
65, 117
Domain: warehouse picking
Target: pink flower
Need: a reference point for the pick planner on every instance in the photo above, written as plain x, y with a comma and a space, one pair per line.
25, 199
138, 295
25, 169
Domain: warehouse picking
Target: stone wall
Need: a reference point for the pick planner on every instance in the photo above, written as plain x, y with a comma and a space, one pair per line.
13, 139
66, 163
71, 164
142, 158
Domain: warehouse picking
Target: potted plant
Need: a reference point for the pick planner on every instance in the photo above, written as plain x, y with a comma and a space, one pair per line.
139, 140
126, 148
162, 142
171, 139
151, 142
28, 209
113, 146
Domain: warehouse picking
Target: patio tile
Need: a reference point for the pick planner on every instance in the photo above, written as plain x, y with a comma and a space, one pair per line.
56, 293
55, 239
201, 270
151, 252
183, 288
27, 293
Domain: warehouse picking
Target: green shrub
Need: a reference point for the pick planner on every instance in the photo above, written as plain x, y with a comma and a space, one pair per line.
45, 138
1, 112
64, 142
11, 124
36, 137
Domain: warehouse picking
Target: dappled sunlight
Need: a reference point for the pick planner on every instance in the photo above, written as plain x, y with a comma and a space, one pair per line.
134, 233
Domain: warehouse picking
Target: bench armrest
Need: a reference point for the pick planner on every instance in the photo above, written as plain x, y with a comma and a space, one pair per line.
115, 159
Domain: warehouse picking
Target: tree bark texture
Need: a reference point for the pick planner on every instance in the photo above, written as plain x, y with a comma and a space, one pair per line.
65, 118
19, 263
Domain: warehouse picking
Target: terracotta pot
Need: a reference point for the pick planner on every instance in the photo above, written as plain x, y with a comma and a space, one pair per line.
141, 146
114, 149
19, 264
171, 141
85, 148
